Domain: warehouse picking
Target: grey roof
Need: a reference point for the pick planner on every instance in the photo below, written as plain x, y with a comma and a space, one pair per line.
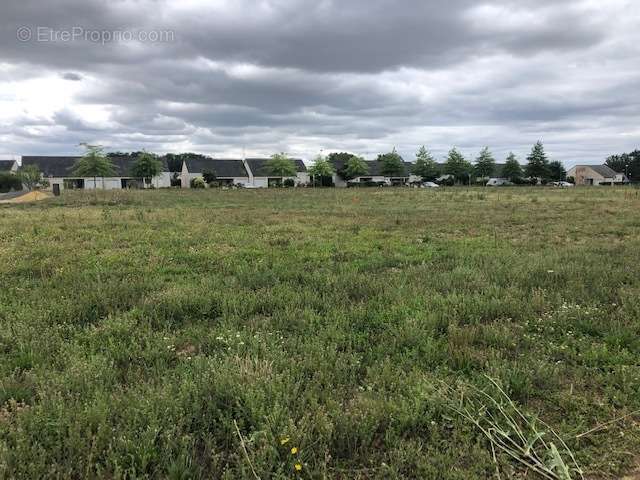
375, 167
63, 166
222, 167
7, 165
259, 166
603, 170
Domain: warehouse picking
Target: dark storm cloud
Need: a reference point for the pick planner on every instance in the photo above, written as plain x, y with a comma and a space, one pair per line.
303, 75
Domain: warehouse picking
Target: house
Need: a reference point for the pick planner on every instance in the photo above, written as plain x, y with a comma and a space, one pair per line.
10, 166
374, 174
259, 175
58, 171
596, 175
227, 171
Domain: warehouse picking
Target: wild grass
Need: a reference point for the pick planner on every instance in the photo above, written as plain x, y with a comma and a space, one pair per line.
186, 334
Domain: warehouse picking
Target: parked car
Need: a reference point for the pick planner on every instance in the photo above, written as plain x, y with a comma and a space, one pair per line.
562, 184
498, 182
430, 185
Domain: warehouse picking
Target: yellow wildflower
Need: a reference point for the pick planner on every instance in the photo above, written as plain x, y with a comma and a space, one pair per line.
298, 467
284, 441
294, 450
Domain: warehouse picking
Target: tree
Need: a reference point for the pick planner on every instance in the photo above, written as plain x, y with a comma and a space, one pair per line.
485, 164
538, 164
146, 166
627, 163
634, 166
280, 165
392, 164
512, 170
321, 169
9, 181
557, 173
174, 162
458, 166
30, 176
619, 163
209, 176
354, 167
94, 164
425, 166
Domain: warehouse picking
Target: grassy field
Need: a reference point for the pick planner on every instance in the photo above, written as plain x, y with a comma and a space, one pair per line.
206, 334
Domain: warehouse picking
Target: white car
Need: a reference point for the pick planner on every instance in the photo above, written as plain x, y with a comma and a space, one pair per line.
498, 182
430, 185
564, 184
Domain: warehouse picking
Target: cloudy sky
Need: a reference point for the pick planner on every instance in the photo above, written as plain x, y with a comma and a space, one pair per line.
303, 76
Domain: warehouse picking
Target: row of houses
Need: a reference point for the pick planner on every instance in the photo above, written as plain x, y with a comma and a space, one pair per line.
250, 172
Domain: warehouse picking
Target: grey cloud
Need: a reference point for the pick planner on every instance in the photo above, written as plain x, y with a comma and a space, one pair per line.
358, 75
74, 77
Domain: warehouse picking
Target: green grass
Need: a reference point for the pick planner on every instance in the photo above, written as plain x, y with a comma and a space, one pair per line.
138, 326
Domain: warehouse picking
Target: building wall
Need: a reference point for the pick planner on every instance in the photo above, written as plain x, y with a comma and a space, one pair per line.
187, 177
263, 182
109, 183
340, 183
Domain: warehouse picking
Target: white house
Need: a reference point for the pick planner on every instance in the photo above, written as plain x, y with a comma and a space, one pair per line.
59, 171
260, 176
596, 175
227, 171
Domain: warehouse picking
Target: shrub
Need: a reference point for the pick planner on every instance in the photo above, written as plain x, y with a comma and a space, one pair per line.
289, 182
9, 182
197, 182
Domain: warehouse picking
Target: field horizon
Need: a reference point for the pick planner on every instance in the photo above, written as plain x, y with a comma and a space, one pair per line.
320, 333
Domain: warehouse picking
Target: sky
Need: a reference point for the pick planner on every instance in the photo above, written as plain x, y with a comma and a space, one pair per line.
227, 78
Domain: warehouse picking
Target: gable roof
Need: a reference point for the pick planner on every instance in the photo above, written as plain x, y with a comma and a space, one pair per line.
63, 166
222, 167
259, 168
603, 170
7, 165
375, 167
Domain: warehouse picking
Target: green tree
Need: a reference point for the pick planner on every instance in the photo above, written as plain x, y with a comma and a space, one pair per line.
458, 166
280, 165
425, 166
485, 164
209, 175
354, 167
146, 166
392, 164
618, 163
9, 181
30, 176
321, 169
94, 163
512, 169
538, 164
634, 167
174, 162
557, 172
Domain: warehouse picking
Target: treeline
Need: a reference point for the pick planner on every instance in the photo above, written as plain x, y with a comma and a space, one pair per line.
627, 163
456, 167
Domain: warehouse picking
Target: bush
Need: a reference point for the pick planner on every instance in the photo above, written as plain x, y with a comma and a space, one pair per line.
9, 182
289, 182
197, 182
519, 181
447, 182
